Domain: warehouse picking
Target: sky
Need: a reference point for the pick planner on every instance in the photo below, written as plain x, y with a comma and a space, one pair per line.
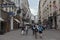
33, 6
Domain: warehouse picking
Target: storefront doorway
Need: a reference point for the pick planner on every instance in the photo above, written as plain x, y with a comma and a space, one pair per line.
55, 19
2, 27
50, 22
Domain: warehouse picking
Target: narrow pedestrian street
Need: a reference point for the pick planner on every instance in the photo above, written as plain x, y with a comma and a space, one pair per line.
16, 35
25, 14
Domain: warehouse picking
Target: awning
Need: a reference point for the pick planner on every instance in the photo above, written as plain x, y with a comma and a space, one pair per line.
17, 20
26, 23
1, 19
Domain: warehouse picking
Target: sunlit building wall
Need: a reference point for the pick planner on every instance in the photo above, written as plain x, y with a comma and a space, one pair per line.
47, 9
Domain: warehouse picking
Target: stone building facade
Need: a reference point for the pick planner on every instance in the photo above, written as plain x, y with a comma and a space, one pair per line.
49, 10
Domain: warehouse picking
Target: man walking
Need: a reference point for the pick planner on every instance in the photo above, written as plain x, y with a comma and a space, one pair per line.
26, 29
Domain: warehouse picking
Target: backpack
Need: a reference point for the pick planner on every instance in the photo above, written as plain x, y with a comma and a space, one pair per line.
40, 28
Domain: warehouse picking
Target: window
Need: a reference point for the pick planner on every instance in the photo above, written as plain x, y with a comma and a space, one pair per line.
47, 8
54, 2
50, 1
47, 5
50, 6
4, 9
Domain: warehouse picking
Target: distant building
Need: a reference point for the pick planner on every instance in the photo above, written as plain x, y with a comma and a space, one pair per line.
36, 19
49, 10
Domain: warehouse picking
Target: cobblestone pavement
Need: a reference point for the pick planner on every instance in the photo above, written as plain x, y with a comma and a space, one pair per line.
16, 35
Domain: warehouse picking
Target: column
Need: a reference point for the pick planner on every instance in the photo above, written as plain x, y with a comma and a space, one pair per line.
11, 23
53, 24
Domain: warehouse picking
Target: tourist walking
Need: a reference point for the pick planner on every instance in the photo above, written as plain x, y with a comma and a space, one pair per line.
26, 29
40, 30
36, 30
22, 31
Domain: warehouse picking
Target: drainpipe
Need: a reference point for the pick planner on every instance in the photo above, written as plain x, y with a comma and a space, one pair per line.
0, 21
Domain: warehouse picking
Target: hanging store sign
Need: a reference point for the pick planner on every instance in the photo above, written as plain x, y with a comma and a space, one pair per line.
11, 13
7, 4
17, 20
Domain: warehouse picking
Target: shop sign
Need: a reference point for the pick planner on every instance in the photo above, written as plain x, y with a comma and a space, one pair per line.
7, 5
11, 13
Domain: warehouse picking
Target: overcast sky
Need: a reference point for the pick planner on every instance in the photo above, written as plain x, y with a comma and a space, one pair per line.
33, 6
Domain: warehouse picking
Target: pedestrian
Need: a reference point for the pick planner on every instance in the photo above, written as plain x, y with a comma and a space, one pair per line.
44, 27
22, 31
40, 29
33, 29
26, 29
37, 26
35, 32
